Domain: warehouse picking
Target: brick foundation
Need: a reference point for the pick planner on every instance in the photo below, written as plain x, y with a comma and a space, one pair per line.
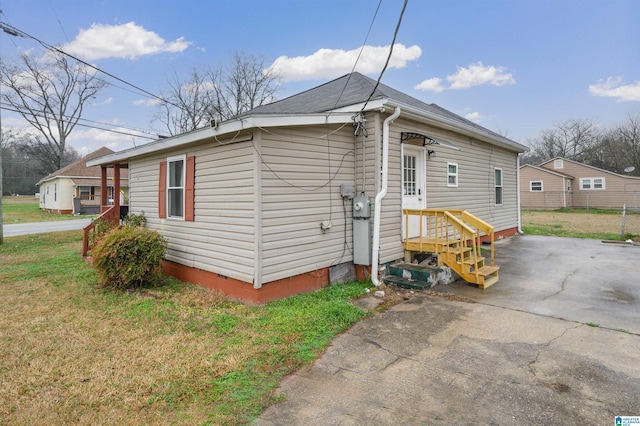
274, 290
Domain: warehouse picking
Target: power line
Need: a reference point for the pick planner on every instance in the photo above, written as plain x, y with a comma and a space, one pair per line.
393, 42
87, 125
359, 53
11, 30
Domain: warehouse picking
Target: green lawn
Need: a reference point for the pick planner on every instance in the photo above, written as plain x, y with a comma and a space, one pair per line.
73, 354
26, 209
581, 223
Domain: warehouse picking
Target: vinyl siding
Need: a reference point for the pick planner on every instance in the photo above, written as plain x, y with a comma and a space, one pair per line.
618, 190
60, 196
221, 238
553, 195
296, 166
475, 192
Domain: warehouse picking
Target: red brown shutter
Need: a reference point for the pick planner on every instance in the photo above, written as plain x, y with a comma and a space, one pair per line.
189, 192
162, 190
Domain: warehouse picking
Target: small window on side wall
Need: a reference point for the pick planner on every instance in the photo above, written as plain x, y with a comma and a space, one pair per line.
175, 187
536, 185
497, 180
452, 174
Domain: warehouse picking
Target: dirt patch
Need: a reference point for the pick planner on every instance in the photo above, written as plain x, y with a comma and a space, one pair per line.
394, 295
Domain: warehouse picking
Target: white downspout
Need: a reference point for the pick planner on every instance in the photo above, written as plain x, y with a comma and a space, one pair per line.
378, 201
518, 193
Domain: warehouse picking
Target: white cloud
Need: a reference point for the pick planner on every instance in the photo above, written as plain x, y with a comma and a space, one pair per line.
126, 41
613, 87
474, 75
431, 85
477, 75
331, 63
147, 102
474, 116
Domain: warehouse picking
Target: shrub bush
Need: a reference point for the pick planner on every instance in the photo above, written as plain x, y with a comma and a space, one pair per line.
132, 219
129, 257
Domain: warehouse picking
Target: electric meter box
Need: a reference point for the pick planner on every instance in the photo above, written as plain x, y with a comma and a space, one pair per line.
361, 207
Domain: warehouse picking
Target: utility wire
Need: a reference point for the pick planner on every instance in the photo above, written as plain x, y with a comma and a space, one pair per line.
393, 42
11, 30
102, 123
90, 126
364, 43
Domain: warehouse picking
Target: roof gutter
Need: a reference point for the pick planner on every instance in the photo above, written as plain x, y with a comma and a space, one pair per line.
378, 200
456, 126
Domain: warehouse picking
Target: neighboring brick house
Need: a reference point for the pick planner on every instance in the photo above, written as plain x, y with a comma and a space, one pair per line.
563, 183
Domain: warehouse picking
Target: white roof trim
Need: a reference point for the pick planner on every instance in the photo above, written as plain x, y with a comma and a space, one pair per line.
342, 115
229, 130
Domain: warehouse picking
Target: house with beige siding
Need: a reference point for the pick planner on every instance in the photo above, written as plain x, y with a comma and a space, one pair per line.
75, 188
268, 204
563, 183
544, 189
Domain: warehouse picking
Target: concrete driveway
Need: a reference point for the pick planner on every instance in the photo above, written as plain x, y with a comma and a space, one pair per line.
572, 278
522, 354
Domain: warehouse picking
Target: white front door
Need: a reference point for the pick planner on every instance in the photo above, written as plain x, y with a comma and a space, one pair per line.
413, 186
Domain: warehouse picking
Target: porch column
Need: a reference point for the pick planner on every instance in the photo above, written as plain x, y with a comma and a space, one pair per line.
116, 187
103, 188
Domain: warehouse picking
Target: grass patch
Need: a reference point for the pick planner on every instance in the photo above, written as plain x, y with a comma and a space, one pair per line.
27, 209
71, 353
580, 223
593, 324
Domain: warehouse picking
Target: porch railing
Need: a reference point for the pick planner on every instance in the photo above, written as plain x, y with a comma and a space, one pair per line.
90, 235
440, 229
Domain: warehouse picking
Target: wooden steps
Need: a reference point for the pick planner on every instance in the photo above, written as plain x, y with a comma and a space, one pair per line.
455, 238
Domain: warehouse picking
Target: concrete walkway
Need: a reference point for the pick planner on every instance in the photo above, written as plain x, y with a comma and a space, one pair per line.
522, 354
43, 227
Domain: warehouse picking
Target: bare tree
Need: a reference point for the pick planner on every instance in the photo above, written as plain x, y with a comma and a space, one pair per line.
244, 85
49, 92
572, 139
189, 104
620, 148
219, 94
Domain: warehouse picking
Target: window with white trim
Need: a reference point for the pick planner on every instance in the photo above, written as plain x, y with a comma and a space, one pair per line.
535, 186
592, 183
497, 182
452, 174
175, 186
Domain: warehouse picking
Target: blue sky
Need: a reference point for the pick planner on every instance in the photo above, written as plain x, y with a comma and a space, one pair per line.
514, 66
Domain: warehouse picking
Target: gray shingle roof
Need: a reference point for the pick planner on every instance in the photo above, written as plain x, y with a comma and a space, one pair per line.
352, 89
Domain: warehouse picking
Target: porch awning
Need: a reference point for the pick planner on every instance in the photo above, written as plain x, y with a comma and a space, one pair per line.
426, 140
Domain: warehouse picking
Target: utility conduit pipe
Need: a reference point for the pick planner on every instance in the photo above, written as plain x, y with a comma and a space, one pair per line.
380, 195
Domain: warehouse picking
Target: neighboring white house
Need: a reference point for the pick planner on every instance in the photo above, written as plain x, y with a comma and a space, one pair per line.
75, 189
260, 206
